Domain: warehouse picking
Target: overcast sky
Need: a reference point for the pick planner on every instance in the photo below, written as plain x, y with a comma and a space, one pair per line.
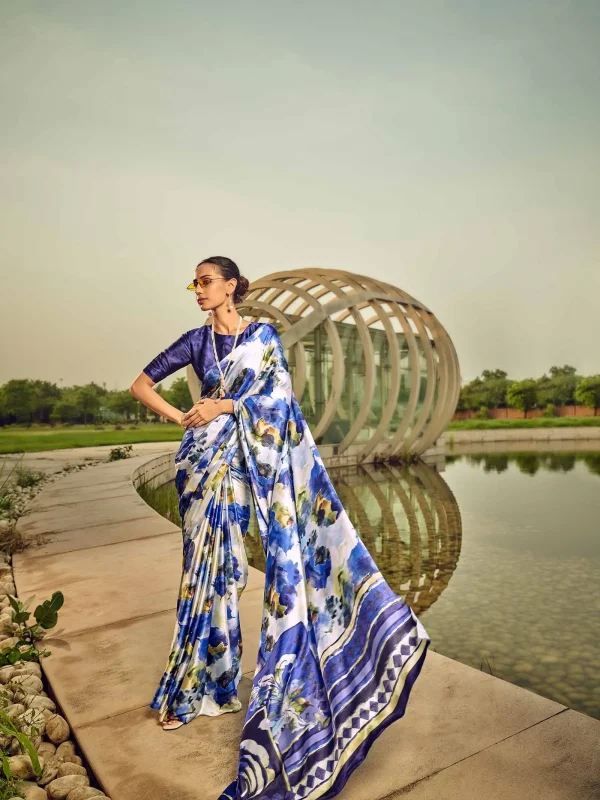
451, 148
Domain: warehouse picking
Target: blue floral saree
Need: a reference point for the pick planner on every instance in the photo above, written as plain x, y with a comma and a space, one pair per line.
339, 650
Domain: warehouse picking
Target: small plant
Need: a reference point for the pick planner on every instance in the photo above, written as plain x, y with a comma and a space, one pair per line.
27, 477
120, 452
549, 411
11, 541
6, 490
46, 616
8, 787
488, 664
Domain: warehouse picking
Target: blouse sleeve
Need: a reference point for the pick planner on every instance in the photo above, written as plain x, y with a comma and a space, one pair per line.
168, 361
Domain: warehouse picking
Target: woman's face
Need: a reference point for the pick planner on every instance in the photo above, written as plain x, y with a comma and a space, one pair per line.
214, 294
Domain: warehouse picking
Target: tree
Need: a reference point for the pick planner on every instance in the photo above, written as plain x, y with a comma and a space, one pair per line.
18, 400
47, 395
88, 400
123, 403
527, 463
522, 395
494, 374
179, 395
562, 372
588, 392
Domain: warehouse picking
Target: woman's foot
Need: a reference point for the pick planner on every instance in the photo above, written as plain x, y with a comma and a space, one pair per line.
171, 723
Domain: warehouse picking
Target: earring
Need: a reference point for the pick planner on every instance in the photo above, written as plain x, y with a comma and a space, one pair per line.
230, 304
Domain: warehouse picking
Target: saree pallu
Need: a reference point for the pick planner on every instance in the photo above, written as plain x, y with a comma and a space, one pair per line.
339, 651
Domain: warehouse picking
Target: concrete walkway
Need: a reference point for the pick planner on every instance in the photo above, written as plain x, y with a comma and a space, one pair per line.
465, 734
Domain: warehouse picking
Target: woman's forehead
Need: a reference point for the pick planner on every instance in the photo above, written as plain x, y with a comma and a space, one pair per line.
206, 269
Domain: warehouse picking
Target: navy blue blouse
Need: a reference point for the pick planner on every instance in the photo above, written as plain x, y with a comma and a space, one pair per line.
194, 347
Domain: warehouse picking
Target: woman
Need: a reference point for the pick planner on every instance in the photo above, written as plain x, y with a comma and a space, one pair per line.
339, 651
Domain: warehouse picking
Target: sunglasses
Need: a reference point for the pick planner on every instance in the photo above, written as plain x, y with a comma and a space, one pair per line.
203, 282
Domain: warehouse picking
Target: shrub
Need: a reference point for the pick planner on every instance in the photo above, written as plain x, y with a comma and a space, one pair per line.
120, 452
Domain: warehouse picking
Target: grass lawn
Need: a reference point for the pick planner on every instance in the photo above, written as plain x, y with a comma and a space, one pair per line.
538, 422
20, 439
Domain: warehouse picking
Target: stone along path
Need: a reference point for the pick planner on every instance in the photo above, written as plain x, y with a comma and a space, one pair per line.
465, 734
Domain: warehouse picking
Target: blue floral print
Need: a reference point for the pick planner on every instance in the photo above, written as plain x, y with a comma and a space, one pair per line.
339, 651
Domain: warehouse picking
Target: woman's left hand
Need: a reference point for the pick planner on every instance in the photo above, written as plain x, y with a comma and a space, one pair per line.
201, 413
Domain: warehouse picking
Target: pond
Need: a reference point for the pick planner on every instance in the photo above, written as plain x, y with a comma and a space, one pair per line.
498, 555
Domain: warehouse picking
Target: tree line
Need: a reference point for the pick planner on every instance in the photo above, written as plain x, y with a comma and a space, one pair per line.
562, 386
27, 402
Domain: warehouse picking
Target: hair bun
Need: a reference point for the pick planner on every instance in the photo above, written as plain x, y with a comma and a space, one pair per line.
241, 290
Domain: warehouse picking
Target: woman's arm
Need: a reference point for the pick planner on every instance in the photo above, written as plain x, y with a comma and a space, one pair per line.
205, 411
142, 390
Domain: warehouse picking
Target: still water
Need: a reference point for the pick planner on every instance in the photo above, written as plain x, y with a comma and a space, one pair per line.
499, 556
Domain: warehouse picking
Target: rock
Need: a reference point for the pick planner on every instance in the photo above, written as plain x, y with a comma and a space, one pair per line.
66, 749
31, 683
10, 642
60, 788
50, 772
14, 748
5, 672
57, 729
73, 760
32, 722
46, 749
15, 710
67, 768
22, 695
84, 793
43, 703
30, 791
32, 667
22, 768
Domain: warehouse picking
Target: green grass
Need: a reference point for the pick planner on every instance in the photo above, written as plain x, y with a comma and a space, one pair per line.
19, 439
539, 422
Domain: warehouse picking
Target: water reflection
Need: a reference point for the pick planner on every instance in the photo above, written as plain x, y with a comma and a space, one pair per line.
408, 519
530, 462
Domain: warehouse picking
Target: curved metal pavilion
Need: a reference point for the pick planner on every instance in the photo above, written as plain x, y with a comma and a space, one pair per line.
375, 373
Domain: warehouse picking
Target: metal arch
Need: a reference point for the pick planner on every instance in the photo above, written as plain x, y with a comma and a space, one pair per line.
430, 381
441, 379
414, 369
419, 423
392, 401
339, 367
305, 325
449, 378
351, 293
398, 441
300, 377
369, 355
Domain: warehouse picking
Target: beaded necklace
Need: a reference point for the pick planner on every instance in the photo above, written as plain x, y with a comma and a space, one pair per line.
221, 389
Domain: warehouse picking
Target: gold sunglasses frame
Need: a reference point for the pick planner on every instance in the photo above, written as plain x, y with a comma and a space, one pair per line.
192, 288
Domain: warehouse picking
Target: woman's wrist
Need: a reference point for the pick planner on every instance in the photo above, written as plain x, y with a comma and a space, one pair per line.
177, 417
225, 406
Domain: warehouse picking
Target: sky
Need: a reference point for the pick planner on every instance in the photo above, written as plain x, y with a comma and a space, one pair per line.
449, 148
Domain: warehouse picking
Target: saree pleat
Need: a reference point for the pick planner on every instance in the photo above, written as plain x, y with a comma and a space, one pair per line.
339, 650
